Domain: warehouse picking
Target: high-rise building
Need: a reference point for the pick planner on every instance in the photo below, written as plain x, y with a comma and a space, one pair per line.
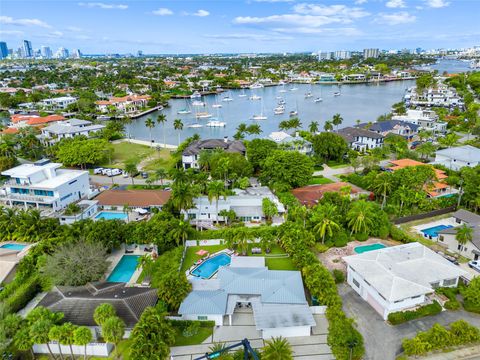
62, 53
27, 49
46, 52
324, 55
139, 53
76, 54
3, 50
370, 53
342, 55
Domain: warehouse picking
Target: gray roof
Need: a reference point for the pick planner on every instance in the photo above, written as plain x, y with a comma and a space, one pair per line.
234, 146
349, 133
403, 271
473, 220
71, 129
79, 303
269, 316
465, 153
387, 125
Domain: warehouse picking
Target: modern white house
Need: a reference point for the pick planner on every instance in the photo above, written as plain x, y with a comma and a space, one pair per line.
458, 157
448, 237
361, 139
247, 205
276, 298
44, 184
191, 154
396, 127
59, 102
440, 95
400, 277
426, 119
289, 142
69, 129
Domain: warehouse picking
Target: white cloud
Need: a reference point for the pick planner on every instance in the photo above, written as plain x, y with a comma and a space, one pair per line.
104, 5
360, 2
340, 11
249, 36
395, 4
397, 18
8, 20
201, 13
437, 3
274, 1
162, 12
54, 34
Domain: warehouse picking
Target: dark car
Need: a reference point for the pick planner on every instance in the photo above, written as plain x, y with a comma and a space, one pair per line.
415, 144
144, 175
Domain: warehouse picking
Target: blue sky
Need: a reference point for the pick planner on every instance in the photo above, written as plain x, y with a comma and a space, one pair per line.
240, 26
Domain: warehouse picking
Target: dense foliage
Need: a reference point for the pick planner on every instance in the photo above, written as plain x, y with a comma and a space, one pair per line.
400, 317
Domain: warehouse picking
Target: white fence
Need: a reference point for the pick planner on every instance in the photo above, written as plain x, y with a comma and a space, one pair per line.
94, 349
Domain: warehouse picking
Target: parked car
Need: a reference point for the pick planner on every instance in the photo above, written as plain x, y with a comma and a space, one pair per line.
115, 172
105, 171
125, 174
474, 264
97, 171
415, 144
144, 175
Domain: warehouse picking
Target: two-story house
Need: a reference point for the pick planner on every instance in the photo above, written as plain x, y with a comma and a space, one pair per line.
291, 142
426, 119
397, 127
455, 158
69, 129
191, 154
361, 139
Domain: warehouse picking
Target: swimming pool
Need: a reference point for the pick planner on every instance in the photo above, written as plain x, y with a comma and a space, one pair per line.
433, 231
109, 215
371, 247
210, 266
18, 247
124, 269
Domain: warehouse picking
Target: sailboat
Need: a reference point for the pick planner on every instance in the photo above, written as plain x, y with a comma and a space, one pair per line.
242, 94
185, 110
261, 116
194, 125
216, 123
337, 93
227, 98
319, 99
294, 113
279, 110
216, 105
195, 95
255, 97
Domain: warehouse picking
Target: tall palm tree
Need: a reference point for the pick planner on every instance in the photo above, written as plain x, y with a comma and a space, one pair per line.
162, 119
313, 127
183, 195
325, 221
383, 185
295, 123
180, 232
150, 124
328, 126
161, 174
337, 120
464, 234
178, 125
242, 237
127, 120
359, 217
284, 125
215, 189
254, 129
277, 349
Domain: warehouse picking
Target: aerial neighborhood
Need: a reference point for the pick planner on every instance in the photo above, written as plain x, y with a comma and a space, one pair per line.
239, 206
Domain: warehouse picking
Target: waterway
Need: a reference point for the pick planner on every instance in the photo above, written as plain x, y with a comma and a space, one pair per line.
451, 66
364, 102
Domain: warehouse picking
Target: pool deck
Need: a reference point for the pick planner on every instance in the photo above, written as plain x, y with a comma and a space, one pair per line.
117, 255
192, 277
447, 221
9, 258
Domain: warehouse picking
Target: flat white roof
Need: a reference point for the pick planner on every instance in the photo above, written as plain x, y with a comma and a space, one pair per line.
26, 170
63, 176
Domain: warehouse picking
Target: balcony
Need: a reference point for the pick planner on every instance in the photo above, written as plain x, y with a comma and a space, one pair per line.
28, 197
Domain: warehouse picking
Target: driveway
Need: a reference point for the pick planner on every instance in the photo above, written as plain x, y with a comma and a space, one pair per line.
383, 341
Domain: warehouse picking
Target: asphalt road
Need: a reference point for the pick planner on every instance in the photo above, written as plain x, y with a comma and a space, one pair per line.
120, 180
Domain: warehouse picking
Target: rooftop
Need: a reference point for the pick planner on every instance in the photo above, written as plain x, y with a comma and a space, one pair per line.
465, 153
139, 198
212, 144
310, 195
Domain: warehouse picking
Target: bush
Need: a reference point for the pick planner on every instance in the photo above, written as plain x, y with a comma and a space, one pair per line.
400, 317
341, 239
398, 234
339, 276
361, 236
321, 248
451, 294
471, 296
23, 294
191, 329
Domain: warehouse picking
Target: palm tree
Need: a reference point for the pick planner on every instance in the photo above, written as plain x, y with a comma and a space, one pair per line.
284, 125
103, 312
178, 125
337, 120
277, 349
313, 127
215, 189
295, 123
328, 126
183, 195
359, 217
254, 129
241, 238
113, 330
39, 333
162, 119
180, 232
161, 174
383, 185
55, 334
131, 169
242, 127
82, 337
464, 234
66, 336
127, 120
325, 221
150, 124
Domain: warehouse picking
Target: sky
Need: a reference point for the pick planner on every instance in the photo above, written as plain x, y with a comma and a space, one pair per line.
233, 26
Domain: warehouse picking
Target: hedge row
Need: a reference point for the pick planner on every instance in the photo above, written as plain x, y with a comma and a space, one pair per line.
398, 234
182, 324
451, 294
441, 338
22, 294
404, 316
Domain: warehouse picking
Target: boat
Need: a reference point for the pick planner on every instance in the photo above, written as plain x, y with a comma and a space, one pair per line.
242, 94
216, 123
336, 93
227, 98
318, 99
194, 126
184, 111
256, 86
282, 102
293, 113
198, 103
279, 110
282, 91
103, 117
255, 97
308, 95
294, 89
261, 116
216, 106
195, 95
203, 115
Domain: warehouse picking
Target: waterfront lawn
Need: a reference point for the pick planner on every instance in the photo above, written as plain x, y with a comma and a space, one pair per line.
150, 158
191, 257
319, 180
180, 340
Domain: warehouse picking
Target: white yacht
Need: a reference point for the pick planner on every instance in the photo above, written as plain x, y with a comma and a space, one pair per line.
216, 123
203, 115
183, 111
293, 113
259, 117
318, 99
195, 95
279, 110
242, 94
198, 103
216, 106
255, 97
308, 95
336, 93
293, 89
256, 86
194, 126
227, 98
282, 102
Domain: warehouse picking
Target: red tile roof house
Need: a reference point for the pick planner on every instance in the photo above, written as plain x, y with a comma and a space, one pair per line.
18, 121
116, 199
310, 195
127, 104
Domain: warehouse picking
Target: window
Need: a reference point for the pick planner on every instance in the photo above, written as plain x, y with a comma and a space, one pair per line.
72, 182
416, 297
356, 283
202, 318
459, 247
449, 282
435, 284
440, 238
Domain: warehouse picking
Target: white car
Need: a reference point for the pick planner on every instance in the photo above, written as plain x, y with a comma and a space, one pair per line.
474, 264
115, 172
97, 171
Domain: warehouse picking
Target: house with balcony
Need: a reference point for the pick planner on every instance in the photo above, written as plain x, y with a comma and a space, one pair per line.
58, 103
396, 127
44, 185
361, 139
191, 154
291, 142
426, 119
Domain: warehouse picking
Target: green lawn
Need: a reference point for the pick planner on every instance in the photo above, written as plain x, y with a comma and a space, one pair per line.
280, 263
152, 158
319, 180
203, 333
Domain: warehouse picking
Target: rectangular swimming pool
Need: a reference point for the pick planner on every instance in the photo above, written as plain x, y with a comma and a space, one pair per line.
125, 268
433, 231
18, 247
111, 215
371, 247
210, 266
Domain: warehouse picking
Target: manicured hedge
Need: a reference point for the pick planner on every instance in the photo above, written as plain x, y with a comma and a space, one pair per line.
23, 294
182, 324
404, 316
451, 294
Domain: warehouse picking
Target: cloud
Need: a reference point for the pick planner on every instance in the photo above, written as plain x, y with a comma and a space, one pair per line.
395, 4
274, 1
243, 36
437, 3
201, 13
397, 18
335, 31
54, 34
360, 2
162, 12
103, 5
7, 20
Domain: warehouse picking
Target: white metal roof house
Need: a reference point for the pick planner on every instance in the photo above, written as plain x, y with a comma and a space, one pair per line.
455, 158
399, 277
69, 129
289, 142
277, 300
44, 184
59, 102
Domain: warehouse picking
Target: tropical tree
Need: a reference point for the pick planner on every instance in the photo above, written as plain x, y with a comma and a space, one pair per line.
426, 150
150, 124
269, 209
464, 234
383, 185
337, 120
23, 341
359, 217
277, 349
220, 347
241, 238
160, 174
328, 126
162, 119
313, 127
183, 195
113, 330
39, 333
215, 189
82, 336
131, 168
181, 231
66, 336
284, 125
324, 219
254, 129
127, 120
55, 334
178, 125
103, 312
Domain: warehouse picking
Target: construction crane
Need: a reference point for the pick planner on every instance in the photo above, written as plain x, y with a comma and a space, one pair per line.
247, 349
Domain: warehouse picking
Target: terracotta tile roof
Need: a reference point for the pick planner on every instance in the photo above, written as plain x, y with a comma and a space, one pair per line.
310, 195
10, 130
35, 119
403, 163
138, 198
116, 100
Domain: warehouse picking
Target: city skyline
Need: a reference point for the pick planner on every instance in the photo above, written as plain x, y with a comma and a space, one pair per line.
239, 26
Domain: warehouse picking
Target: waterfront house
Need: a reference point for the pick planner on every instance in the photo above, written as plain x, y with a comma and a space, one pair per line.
448, 236
69, 129
59, 102
21, 120
289, 142
125, 104
44, 184
396, 127
426, 119
458, 157
361, 139
191, 154
440, 96
400, 277
276, 298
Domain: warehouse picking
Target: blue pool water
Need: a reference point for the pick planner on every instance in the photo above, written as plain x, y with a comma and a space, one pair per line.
108, 215
17, 247
433, 231
209, 267
124, 269
365, 248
